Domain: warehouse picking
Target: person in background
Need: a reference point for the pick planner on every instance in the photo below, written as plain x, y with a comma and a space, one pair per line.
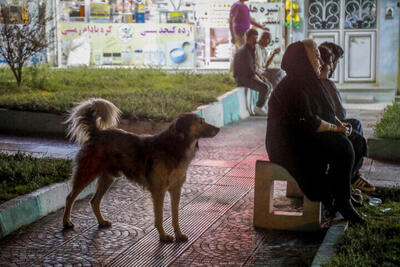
330, 55
239, 22
245, 73
304, 137
264, 59
215, 42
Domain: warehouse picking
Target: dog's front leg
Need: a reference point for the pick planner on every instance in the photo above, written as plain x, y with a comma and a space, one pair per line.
175, 194
158, 203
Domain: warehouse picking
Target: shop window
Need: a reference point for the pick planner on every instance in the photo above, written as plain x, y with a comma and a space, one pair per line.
72, 11
21, 12
324, 14
109, 11
360, 14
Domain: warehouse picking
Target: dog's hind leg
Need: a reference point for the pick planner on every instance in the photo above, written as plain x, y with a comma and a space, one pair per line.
103, 183
80, 179
175, 194
158, 204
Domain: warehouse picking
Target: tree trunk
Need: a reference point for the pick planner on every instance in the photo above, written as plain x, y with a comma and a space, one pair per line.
19, 76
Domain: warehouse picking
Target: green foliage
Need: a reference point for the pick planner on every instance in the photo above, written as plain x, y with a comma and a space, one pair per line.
378, 242
389, 125
140, 93
21, 174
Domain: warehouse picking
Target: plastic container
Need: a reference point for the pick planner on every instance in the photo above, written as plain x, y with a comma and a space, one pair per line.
140, 17
375, 201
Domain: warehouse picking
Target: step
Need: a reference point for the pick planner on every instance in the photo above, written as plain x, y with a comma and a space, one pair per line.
360, 99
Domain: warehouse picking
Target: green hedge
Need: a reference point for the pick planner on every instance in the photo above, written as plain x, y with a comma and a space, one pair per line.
149, 94
389, 125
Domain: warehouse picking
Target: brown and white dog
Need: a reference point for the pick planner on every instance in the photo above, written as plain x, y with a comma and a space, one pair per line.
158, 163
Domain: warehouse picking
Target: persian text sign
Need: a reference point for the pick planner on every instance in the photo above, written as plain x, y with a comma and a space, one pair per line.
269, 15
131, 44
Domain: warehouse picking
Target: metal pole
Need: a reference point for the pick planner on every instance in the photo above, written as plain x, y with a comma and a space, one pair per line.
291, 22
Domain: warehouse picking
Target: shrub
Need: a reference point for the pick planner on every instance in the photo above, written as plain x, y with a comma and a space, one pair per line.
149, 94
389, 125
21, 174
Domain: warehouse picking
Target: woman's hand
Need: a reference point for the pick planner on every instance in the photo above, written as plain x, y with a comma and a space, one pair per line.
342, 129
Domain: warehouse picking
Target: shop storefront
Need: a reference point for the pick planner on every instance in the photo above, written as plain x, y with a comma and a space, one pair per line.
188, 34
159, 33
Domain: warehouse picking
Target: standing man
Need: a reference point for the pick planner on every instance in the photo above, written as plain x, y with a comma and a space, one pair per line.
264, 59
244, 71
239, 23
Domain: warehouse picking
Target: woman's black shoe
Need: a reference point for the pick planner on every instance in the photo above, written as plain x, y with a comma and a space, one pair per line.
355, 202
349, 212
329, 208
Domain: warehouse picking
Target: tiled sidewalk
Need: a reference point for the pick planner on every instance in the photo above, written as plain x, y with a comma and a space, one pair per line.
215, 212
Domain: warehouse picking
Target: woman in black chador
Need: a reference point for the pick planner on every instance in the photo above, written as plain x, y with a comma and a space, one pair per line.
304, 136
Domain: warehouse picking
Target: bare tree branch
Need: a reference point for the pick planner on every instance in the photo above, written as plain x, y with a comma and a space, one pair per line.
24, 35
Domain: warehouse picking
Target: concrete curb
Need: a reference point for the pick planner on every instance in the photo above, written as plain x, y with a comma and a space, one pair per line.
327, 248
229, 108
31, 207
34, 123
386, 149
26, 209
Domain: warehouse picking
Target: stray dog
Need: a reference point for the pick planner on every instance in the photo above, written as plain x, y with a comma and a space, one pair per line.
158, 163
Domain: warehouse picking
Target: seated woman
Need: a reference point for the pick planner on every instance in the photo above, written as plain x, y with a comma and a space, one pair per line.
330, 55
302, 135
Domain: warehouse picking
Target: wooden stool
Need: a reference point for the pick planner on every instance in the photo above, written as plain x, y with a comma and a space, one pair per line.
264, 215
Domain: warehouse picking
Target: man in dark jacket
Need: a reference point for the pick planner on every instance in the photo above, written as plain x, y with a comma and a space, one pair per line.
244, 71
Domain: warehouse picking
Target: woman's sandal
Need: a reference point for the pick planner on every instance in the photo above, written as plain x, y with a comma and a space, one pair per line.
363, 184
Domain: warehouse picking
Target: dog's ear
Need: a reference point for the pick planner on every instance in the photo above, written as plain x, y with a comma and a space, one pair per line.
179, 127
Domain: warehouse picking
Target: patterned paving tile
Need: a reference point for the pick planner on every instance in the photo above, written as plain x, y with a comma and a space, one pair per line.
216, 163
250, 173
205, 174
233, 241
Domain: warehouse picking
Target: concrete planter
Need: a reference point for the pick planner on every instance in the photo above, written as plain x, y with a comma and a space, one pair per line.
386, 149
32, 123
229, 108
31, 207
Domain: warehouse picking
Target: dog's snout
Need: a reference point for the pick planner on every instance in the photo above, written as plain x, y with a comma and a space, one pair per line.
210, 131
216, 130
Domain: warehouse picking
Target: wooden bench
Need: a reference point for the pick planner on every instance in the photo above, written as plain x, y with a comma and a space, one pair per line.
264, 215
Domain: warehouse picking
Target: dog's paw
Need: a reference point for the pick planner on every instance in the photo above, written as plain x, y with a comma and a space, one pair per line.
166, 238
105, 224
181, 238
68, 224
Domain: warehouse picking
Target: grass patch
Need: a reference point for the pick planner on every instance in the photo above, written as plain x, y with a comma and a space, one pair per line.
378, 242
140, 93
21, 174
389, 125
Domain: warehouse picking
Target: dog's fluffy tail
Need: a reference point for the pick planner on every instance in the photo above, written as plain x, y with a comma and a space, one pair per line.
90, 116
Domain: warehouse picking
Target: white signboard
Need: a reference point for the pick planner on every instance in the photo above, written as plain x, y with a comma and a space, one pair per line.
269, 15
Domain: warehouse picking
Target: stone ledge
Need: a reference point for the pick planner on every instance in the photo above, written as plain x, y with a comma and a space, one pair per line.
28, 208
327, 248
386, 149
